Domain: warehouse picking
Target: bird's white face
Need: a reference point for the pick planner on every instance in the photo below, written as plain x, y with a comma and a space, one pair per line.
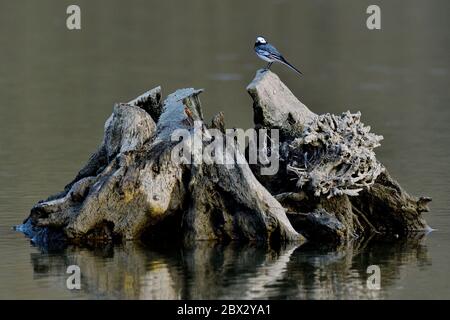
261, 40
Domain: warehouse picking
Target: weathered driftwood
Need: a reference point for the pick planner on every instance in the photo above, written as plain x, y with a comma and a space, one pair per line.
131, 187
334, 155
330, 186
330, 181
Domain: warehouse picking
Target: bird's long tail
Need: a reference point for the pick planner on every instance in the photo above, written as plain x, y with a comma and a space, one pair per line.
285, 62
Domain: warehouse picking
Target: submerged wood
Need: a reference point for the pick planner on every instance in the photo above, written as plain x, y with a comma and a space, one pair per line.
330, 186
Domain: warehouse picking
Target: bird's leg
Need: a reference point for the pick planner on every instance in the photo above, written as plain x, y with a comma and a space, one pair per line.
268, 66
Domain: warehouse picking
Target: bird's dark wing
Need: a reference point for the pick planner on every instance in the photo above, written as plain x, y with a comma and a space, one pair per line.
272, 53
268, 50
271, 49
262, 52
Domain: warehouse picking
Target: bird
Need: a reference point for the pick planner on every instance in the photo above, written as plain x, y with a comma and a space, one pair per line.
269, 53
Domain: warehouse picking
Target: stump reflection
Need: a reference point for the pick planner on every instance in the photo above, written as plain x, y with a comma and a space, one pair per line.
208, 270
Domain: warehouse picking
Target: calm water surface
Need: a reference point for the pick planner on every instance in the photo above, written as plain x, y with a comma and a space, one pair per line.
57, 88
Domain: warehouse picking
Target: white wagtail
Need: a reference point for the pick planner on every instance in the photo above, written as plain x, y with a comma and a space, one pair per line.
269, 53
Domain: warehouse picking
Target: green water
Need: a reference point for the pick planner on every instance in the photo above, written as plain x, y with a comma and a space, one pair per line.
57, 87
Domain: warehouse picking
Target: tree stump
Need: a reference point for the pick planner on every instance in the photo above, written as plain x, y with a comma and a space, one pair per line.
131, 188
330, 186
330, 181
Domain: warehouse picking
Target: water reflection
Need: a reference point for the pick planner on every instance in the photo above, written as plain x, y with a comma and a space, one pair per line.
209, 270
341, 273
58, 87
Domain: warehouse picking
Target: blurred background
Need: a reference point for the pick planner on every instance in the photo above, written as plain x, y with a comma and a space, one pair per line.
57, 88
